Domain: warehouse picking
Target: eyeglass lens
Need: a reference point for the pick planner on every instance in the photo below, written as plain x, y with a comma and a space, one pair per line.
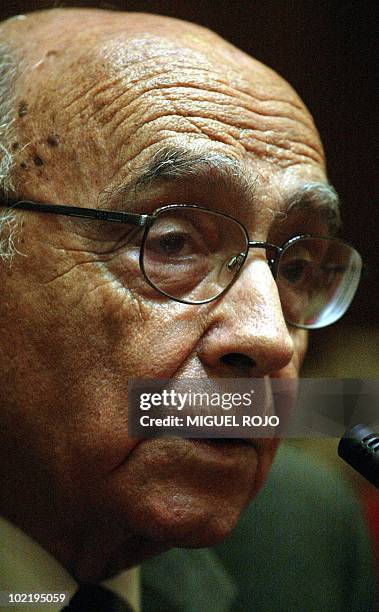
193, 255
188, 253
317, 279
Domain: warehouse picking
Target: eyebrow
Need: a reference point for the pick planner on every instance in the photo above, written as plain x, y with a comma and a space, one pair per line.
317, 197
179, 164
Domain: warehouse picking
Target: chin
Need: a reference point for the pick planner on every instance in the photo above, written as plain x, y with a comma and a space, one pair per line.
183, 493
194, 523
172, 493
110, 548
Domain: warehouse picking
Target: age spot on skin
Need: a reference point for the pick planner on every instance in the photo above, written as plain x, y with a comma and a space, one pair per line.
23, 109
52, 140
38, 161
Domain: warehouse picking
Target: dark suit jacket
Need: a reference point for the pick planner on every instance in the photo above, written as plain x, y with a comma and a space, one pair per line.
301, 546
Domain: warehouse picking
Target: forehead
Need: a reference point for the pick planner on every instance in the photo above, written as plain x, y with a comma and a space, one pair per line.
115, 95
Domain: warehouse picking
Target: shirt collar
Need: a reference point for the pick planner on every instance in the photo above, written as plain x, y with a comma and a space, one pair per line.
25, 567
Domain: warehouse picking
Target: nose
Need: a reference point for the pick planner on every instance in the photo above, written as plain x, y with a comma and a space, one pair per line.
247, 334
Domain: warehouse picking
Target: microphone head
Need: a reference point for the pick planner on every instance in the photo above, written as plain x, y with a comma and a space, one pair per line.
359, 447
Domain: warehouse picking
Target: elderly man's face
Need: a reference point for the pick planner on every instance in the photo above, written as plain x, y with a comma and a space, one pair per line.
103, 98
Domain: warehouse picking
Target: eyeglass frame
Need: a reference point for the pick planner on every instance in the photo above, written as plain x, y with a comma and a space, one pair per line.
146, 221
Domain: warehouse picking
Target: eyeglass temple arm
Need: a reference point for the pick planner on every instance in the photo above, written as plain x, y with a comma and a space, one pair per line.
72, 211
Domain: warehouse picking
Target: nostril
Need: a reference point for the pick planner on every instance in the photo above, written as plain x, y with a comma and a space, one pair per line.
238, 360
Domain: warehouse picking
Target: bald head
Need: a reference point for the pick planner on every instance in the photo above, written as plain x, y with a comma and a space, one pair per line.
103, 87
146, 35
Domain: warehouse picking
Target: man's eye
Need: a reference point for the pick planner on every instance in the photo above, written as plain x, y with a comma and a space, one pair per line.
297, 271
172, 243
175, 244
176, 238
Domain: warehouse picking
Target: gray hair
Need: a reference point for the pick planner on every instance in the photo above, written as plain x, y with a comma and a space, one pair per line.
7, 78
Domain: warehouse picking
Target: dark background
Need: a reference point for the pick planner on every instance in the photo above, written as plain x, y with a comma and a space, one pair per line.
326, 50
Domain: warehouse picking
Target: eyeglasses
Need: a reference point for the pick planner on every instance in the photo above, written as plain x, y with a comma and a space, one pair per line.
193, 255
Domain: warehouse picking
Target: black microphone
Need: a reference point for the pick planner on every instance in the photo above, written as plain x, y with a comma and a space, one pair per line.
360, 448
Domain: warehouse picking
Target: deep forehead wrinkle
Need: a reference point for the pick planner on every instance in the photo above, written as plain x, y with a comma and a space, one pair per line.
178, 164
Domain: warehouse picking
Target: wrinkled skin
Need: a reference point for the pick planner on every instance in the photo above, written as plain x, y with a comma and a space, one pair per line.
99, 94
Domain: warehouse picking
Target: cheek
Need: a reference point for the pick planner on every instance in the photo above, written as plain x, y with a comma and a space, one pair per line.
83, 316
300, 342
80, 339
287, 400
145, 339
116, 337
268, 448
